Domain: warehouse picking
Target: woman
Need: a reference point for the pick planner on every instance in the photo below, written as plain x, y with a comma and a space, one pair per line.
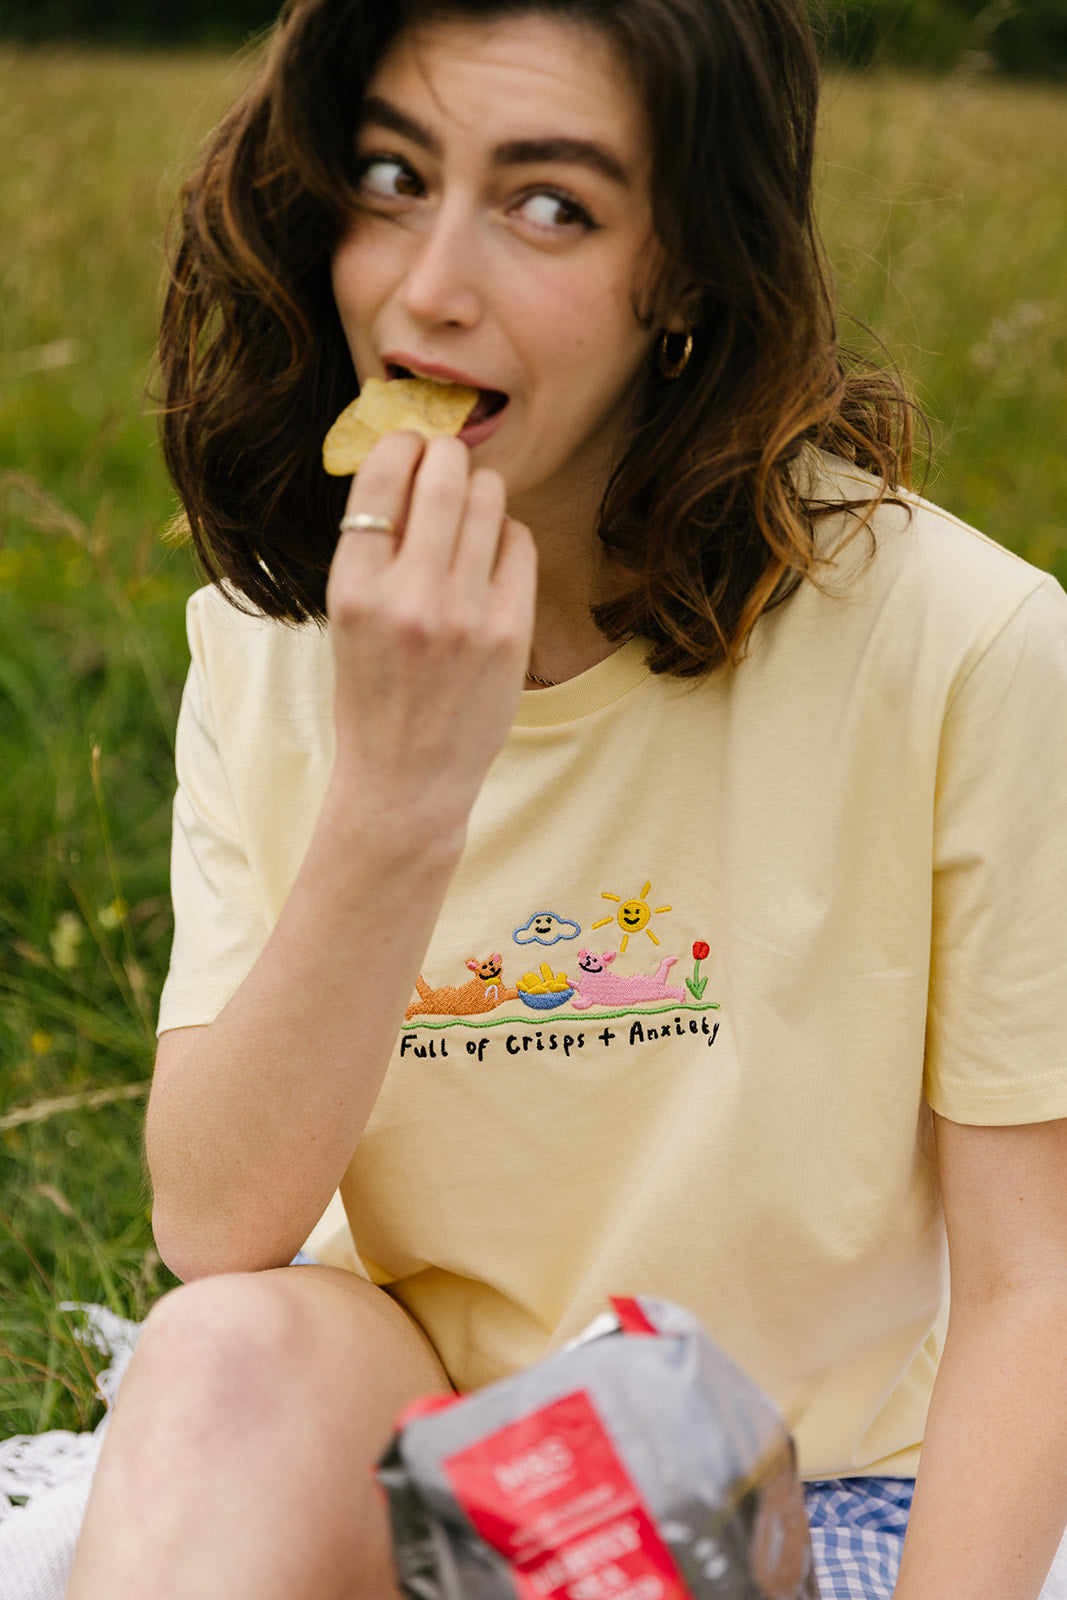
653, 879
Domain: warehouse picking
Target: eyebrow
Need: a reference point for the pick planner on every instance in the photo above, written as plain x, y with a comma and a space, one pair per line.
512, 153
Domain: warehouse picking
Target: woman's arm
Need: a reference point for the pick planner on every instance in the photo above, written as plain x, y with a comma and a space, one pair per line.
991, 1495
253, 1119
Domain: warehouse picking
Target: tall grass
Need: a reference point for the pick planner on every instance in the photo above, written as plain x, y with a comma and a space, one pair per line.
91, 663
944, 216
943, 208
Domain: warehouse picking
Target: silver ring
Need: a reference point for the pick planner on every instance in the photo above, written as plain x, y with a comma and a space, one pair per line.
366, 522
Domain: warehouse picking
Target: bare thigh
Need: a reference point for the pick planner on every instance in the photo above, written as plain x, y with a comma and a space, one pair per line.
240, 1457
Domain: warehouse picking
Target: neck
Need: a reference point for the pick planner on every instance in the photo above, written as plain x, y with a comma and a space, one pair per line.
573, 574
572, 577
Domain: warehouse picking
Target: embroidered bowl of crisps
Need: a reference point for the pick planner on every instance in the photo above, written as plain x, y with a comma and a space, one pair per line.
544, 990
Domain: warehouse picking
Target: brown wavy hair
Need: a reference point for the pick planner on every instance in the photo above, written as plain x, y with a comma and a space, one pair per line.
704, 507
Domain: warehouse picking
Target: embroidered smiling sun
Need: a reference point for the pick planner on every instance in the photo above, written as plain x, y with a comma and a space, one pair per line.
633, 916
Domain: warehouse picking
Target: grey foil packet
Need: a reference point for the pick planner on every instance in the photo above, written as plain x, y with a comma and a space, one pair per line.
639, 1463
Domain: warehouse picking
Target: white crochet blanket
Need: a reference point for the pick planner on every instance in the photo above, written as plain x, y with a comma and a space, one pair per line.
49, 1475
45, 1478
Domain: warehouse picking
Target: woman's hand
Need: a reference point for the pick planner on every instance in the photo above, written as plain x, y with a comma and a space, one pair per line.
253, 1119
431, 633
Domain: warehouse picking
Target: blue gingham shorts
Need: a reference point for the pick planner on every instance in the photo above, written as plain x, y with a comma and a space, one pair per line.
857, 1534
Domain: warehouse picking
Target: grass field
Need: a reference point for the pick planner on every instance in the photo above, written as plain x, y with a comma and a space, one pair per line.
944, 213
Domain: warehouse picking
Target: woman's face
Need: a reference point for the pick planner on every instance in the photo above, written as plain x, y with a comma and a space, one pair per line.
504, 238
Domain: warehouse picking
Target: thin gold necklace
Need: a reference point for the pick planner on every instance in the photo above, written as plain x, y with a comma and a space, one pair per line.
546, 683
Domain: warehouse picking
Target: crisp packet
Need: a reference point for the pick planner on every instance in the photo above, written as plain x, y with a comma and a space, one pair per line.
639, 1463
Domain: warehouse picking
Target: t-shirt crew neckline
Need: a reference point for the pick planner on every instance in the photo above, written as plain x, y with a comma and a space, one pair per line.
590, 691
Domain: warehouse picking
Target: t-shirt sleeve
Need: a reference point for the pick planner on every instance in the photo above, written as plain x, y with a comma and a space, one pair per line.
219, 927
997, 1021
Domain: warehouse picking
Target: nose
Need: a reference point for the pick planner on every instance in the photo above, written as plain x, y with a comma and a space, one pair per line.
442, 283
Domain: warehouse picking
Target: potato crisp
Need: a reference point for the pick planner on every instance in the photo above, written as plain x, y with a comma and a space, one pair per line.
416, 404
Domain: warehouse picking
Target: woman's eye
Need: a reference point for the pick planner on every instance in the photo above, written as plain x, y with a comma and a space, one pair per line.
387, 178
545, 209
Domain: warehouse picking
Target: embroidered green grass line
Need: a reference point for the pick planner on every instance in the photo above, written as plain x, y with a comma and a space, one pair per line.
578, 1020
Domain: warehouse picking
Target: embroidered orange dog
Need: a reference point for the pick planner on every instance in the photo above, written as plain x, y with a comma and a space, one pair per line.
482, 993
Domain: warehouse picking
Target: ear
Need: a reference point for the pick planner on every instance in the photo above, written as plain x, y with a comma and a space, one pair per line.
472, 964
685, 314
609, 955
680, 306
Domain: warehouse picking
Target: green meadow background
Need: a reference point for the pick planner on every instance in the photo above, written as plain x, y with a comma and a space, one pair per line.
943, 206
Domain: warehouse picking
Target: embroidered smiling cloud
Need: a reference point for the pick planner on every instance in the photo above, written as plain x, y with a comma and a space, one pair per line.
544, 927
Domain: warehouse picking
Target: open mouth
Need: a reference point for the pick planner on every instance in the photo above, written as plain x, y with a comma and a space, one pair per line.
488, 404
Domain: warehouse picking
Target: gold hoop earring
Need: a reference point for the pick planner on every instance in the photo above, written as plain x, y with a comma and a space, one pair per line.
669, 368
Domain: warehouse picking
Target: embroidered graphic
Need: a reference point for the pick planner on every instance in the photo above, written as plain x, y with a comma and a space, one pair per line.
545, 990
544, 927
696, 984
601, 994
483, 993
598, 987
632, 916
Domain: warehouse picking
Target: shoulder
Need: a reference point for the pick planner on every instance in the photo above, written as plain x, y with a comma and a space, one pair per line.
929, 570
905, 603
246, 661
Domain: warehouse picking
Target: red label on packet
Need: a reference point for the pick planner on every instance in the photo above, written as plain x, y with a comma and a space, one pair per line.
551, 1494
630, 1315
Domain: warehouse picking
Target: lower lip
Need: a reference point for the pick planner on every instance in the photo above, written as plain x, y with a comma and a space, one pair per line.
477, 432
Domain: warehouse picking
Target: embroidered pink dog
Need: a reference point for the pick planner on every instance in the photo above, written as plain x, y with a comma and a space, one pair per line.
597, 986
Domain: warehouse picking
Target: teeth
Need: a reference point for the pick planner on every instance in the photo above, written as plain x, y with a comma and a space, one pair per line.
426, 377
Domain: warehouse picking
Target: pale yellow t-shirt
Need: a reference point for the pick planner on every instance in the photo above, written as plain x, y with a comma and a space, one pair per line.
863, 825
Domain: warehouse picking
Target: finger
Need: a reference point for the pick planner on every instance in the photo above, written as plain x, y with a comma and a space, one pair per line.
380, 489
514, 582
478, 545
438, 505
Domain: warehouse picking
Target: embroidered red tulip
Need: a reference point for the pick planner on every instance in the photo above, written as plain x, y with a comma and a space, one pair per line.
696, 984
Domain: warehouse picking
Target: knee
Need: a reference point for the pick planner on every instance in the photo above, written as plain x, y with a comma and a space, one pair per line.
219, 1348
